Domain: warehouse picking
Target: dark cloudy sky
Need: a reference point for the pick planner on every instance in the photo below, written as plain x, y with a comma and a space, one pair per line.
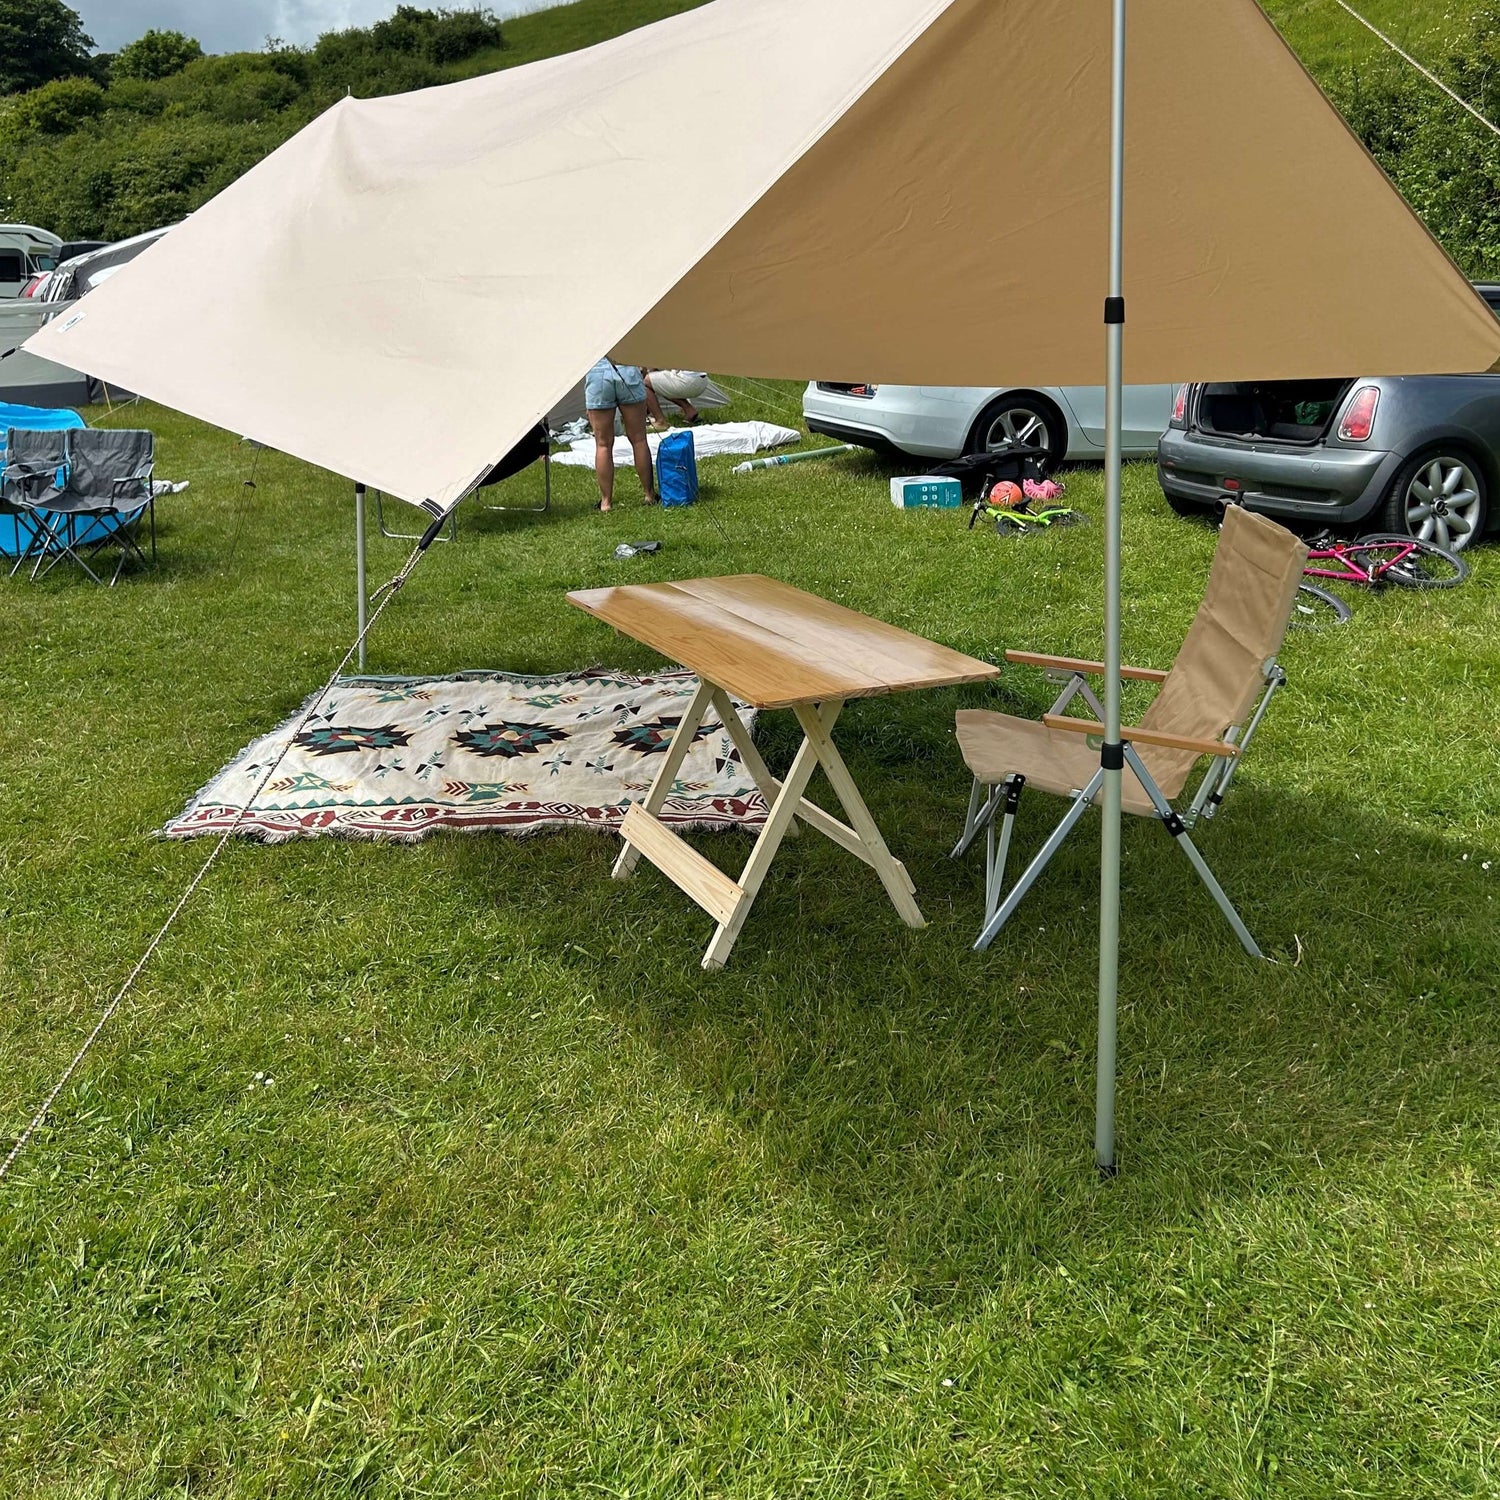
243, 25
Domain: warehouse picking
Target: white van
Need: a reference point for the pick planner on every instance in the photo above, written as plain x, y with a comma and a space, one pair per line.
25, 250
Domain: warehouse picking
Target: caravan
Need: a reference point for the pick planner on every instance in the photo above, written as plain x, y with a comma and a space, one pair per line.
25, 250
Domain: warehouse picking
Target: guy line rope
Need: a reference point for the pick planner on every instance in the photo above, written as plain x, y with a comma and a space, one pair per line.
383, 596
1432, 78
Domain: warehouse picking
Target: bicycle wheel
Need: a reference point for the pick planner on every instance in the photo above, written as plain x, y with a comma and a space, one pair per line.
1427, 567
1317, 609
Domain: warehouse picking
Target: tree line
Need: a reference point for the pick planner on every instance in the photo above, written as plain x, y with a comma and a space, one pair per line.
108, 145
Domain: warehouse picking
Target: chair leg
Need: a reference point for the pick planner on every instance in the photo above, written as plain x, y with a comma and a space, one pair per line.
33, 539
997, 857
1174, 827
980, 816
971, 824
1082, 801
71, 547
1178, 831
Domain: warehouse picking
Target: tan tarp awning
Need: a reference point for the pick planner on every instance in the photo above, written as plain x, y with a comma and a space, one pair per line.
913, 191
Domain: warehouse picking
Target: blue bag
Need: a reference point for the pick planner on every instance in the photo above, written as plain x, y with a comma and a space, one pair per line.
677, 469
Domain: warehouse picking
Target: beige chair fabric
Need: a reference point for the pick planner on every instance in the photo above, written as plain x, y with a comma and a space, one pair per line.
1213, 685
995, 746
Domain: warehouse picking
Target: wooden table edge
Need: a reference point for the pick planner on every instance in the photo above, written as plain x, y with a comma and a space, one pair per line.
989, 670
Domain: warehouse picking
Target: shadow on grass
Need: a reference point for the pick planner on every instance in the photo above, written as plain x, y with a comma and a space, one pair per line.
940, 1101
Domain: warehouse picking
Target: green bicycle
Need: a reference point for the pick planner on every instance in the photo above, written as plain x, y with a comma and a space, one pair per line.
1021, 520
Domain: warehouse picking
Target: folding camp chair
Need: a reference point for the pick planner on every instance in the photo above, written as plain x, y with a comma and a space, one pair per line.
1222, 681
537, 444
88, 488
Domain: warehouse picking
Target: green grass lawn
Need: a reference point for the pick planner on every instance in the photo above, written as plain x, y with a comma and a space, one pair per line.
536, 1207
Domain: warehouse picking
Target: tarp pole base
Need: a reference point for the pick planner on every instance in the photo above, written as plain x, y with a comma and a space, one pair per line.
1112, 755
359, 567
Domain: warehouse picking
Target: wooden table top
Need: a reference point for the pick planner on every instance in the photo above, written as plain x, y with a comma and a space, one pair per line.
774, 645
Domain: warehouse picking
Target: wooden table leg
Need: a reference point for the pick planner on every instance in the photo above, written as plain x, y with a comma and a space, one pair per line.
816, 725
667, 772
745, 744
779, 820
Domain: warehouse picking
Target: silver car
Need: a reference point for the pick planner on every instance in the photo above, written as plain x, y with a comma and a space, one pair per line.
944, 421
1417, 454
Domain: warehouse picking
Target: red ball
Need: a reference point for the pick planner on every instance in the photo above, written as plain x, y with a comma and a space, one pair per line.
1006, 496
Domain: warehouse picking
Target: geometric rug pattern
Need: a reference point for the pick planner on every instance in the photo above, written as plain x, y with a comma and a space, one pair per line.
401, 757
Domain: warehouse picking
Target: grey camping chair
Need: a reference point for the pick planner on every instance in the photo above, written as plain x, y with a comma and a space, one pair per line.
1209, 705
88, 489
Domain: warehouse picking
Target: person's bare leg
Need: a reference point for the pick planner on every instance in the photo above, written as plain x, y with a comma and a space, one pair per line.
653, 406
602, 424
686, 407
634, 418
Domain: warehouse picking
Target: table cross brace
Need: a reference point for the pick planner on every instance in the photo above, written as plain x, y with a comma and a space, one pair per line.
730, 900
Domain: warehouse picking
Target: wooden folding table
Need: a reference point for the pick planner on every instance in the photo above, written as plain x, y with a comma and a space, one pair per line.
773, 646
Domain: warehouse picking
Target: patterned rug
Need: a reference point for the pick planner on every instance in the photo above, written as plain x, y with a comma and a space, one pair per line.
398, 757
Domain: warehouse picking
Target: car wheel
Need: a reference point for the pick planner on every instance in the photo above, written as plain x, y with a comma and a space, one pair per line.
1191, 508
1439, 498
1016, 420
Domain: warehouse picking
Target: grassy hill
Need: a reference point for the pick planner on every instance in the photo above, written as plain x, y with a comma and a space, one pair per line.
92, 160
1330, 41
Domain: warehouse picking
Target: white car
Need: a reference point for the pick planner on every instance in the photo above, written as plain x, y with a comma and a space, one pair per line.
944, 421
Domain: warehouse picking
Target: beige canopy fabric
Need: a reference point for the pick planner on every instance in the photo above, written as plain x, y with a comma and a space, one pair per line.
911, 191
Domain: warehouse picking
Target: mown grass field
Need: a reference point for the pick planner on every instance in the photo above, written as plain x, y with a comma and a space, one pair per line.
536, 1207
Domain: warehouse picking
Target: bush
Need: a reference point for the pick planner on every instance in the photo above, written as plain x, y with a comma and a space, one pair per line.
58, 107
1445, 164
158, 54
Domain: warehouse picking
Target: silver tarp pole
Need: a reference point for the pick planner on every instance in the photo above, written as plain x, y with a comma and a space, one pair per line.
359, 566
1112, 755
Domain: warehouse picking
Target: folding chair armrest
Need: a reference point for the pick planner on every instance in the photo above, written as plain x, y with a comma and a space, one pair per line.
1072, 664
1144, 736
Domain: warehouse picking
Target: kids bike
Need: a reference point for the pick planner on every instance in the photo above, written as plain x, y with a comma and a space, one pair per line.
1371, 562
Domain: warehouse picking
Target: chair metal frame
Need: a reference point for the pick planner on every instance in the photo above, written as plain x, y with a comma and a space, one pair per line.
413, 536
62, 532
25, 516
530, 510
1004, 798
544, 454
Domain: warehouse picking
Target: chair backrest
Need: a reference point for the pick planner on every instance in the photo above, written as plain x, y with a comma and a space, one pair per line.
35, 419
36, 466
110, 468
80, 469
1221, 669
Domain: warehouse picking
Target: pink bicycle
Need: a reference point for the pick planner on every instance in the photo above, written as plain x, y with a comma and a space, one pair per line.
1371, 562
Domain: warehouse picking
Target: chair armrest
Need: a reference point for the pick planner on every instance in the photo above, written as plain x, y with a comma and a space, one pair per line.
1088, 668
1144, 736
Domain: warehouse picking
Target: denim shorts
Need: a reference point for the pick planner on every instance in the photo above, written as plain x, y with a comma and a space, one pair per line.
608, 385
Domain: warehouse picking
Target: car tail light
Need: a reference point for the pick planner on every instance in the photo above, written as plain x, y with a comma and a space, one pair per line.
1359, 419
1179, 407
